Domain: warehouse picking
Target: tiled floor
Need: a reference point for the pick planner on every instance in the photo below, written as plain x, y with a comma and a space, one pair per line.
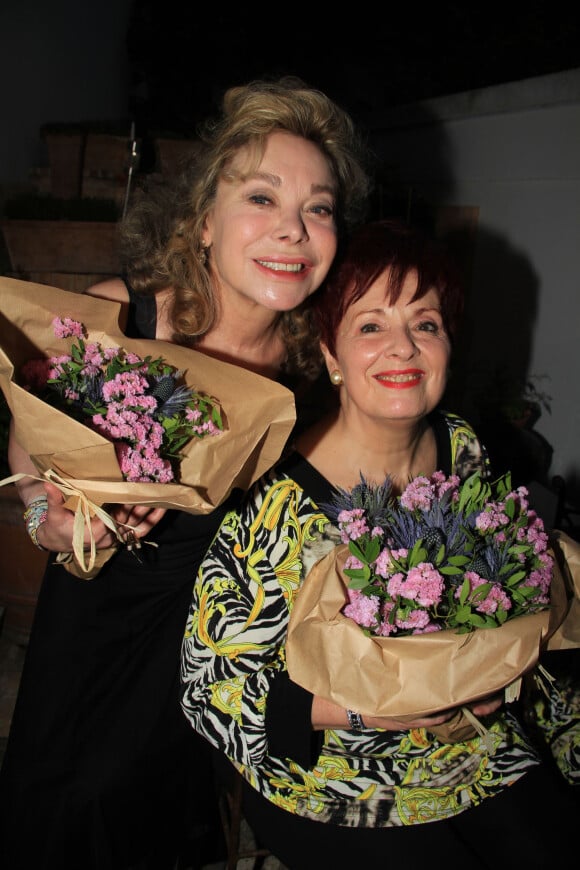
11, 661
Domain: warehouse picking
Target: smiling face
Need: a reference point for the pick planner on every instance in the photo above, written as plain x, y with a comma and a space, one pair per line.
272, 232
393, 358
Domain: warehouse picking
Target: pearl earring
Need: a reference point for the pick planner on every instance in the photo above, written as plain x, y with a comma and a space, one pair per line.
336, 378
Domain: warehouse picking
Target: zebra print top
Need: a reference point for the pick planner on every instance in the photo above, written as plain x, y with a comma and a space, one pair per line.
236, 691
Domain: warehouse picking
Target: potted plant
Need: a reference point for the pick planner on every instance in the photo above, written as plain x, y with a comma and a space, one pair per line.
524, 404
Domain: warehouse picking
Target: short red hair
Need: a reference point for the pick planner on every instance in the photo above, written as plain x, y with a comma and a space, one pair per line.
370, 250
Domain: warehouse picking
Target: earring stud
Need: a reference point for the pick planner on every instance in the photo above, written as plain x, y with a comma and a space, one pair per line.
336, 378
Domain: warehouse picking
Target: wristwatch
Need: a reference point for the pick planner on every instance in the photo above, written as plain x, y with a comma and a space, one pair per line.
355, 720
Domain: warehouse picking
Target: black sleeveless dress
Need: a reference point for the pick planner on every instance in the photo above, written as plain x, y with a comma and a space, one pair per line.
101, 770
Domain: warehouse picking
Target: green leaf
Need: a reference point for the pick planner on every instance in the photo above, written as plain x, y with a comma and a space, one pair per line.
418, 553
372, 549
468, 491
463, 614
480, 592
356, 550
479, 621
523, 593
464, 593
515, 579
519, 548
503, 485
509, 568
359, 576
78, 351
459, 561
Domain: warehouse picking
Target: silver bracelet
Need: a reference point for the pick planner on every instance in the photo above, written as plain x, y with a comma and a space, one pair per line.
355, 720
34, 516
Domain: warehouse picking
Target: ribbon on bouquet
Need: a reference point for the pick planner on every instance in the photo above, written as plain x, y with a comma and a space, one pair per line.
84, 510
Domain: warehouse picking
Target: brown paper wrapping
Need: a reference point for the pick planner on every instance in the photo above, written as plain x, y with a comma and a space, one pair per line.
258, 413
566, 552
329, 655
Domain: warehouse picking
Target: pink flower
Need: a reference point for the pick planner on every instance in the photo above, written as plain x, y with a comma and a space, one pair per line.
352, 525
466, 528
114, 392
353, 563
67, 327
383, 564
362, 608
423, 584
418, 494
416, 621
491, 518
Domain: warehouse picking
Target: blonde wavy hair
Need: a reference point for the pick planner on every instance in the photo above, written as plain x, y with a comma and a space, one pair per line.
161, 236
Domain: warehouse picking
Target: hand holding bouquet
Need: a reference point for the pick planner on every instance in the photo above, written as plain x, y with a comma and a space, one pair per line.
183, 466
437, 598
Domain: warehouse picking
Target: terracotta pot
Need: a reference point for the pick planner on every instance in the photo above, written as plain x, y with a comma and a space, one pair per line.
22, 567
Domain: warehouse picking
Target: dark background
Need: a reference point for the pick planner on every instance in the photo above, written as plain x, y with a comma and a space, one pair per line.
166, 63
368, 57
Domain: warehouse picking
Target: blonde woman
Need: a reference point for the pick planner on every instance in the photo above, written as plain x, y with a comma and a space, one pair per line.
102, 771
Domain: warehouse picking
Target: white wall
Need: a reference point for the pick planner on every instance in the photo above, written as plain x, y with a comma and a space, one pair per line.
513, 152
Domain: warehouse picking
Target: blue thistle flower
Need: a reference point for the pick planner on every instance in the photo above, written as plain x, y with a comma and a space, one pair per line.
163, 387
175, 403
376, 501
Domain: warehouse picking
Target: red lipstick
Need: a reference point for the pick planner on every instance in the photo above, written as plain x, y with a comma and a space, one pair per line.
400, 379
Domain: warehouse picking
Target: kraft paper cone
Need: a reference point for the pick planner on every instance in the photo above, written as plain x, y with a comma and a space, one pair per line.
258, 413
566, 552
328, 654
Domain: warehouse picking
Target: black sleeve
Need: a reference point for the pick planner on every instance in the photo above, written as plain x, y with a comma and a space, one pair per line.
289, 722
142, 314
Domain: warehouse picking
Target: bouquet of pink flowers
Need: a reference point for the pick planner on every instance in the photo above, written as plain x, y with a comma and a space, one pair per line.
443, 555
141, 405
118, 420
436, 598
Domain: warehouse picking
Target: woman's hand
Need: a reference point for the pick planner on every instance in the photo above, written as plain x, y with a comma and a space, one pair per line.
481, 708
486, 706
56, 533
405, 724
135, 521
325, 714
